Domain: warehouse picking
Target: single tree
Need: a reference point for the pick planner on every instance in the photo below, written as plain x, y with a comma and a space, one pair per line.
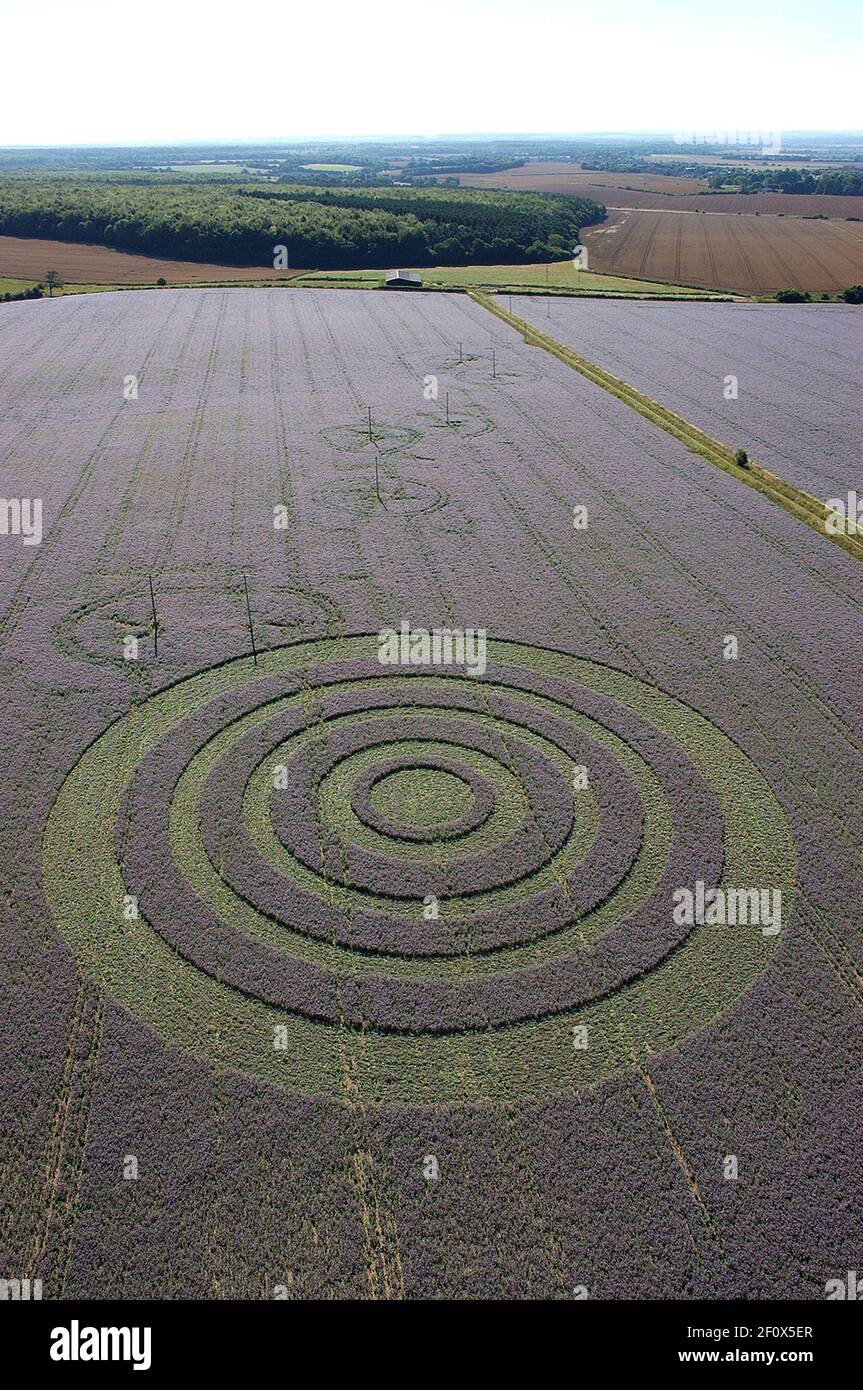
853, 294
53, 281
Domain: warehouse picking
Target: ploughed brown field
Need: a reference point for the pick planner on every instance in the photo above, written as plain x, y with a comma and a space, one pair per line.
669, 193
28, 258
750, 255
553, 176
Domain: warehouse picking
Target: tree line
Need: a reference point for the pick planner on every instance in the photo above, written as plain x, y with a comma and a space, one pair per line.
833, 181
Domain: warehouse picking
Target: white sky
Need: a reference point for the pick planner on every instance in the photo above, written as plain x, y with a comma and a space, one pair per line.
151, 71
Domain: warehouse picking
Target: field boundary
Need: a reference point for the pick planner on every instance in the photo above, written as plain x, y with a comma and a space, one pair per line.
794, 500
689, 294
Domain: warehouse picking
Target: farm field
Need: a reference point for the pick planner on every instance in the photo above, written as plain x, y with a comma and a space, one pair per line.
669, 193
718, 161
749, 255
28, 258
546, 176
797, 369
219, 963
209, 166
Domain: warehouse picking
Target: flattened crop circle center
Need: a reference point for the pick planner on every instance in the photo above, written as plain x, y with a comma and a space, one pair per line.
423, 797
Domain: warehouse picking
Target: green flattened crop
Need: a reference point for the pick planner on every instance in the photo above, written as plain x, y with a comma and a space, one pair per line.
547, 705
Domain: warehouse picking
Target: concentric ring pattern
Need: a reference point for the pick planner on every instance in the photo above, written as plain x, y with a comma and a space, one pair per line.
393, 882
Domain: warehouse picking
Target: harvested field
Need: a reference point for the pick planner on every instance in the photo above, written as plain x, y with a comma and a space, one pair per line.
731, 161
748, 255
797, 369
28, 258
544, 176
547, 176
219, 863
666, 193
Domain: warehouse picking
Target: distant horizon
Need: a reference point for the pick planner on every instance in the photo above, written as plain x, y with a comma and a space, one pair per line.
413, 138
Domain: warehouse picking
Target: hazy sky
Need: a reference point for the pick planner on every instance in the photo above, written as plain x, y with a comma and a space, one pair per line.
144, 71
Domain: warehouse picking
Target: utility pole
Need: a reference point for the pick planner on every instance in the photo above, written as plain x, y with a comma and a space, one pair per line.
249, 613
155, 619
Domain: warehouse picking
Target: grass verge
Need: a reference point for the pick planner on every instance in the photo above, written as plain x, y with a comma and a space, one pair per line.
556, 276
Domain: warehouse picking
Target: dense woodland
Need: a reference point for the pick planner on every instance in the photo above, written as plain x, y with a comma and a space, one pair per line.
241, 222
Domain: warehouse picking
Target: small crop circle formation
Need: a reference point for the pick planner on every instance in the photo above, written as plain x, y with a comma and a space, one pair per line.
413, 884
94, 631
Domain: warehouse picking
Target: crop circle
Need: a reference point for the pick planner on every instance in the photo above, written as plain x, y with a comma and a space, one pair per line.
394, 882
